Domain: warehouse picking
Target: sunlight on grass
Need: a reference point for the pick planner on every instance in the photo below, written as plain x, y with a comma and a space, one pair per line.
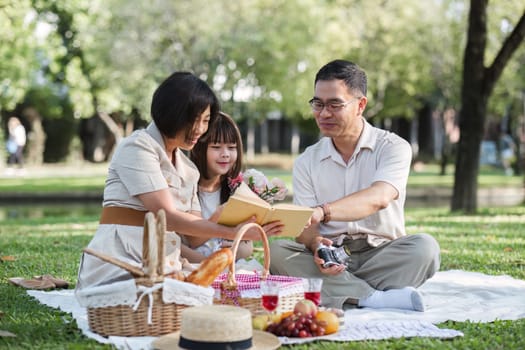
491, 242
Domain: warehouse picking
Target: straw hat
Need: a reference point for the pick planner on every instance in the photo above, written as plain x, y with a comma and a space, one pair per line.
217, 327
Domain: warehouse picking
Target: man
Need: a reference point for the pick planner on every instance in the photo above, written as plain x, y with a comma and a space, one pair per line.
355, 177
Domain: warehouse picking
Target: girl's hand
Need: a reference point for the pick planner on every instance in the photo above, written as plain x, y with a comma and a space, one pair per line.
215, 216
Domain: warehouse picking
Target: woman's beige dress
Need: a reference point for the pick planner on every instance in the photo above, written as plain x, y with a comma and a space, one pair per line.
139, 165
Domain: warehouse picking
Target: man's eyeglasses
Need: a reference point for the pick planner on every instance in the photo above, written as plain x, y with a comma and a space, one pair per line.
332, 106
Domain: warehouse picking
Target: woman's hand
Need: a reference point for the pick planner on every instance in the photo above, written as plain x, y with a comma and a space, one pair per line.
331, 270
273, 228
253, 234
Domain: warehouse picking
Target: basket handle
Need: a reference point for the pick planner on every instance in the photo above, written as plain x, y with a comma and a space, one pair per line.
161, 235
238, 238
149, 247
134, 270
153, 244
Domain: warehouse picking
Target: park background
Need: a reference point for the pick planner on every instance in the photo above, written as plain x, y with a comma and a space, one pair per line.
443, 74
447, 75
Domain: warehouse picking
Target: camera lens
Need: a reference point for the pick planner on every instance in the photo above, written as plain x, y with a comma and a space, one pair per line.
327, 254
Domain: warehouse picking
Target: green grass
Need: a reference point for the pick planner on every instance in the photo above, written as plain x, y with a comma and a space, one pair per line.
491, 242
488, 177
66, 184
49, 239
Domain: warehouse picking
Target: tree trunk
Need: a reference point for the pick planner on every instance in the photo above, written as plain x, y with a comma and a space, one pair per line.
425, 139
467, 159
36, 137
478, 83
250, 141
265, 147
295, 141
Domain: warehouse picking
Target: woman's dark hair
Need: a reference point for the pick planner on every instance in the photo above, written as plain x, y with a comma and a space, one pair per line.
222, 130
353, 76
179, 101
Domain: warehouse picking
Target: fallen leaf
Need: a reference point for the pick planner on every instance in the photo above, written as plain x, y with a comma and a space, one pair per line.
6, 334
8, 258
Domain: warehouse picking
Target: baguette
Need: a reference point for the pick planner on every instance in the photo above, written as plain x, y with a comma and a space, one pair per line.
211, 267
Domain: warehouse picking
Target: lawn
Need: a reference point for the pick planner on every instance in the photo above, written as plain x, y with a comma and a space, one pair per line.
50, 241
491, 242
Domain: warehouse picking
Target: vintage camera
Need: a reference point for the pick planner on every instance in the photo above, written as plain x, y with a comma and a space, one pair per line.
333, 255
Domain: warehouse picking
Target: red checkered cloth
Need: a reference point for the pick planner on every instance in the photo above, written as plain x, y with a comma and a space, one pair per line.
249, 284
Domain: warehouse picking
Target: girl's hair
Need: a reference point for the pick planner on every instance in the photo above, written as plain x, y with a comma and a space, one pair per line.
222, 130
179, 101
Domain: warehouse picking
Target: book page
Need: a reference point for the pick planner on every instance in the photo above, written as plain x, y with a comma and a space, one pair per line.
238, 209
294, 218
244, 204
245, 192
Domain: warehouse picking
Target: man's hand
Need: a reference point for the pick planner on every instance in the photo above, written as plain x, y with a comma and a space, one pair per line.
331, 270
317, 216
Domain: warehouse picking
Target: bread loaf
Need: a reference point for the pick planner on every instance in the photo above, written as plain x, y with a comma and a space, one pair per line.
211, 267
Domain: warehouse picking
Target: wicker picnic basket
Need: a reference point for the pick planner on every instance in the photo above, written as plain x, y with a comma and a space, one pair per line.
244, 289
153, 317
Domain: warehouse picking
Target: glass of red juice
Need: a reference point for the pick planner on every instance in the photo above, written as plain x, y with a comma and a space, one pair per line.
269, 295
312, 289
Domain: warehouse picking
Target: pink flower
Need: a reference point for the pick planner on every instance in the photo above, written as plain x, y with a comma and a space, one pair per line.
259, 184
233, 183
282, 190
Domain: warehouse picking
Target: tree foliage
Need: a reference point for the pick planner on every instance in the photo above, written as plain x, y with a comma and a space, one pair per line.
19, 51
259, 55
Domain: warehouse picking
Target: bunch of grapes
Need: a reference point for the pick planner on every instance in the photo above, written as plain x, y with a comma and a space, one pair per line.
297, 325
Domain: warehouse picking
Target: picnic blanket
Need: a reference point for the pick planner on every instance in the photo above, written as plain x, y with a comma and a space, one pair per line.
449, 295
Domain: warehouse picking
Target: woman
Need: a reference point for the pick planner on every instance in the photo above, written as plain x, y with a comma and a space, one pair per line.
148, 172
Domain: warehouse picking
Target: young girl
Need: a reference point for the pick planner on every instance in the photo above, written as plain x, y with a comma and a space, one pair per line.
218, 156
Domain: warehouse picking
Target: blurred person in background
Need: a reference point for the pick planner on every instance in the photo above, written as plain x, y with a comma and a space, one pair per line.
16, 141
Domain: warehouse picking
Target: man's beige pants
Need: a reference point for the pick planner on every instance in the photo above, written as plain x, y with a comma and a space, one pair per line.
406, 261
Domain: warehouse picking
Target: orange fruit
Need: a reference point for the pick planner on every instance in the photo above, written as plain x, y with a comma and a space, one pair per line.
331, 320
286, 314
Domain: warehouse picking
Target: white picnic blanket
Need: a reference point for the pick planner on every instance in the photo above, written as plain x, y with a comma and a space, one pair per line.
450, 295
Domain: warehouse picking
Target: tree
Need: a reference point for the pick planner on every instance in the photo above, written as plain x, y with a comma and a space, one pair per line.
478, 84
19, 51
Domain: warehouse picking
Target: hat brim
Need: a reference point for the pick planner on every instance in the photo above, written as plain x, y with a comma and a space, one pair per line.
260, 341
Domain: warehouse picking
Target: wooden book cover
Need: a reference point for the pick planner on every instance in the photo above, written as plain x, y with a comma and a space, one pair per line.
244, 204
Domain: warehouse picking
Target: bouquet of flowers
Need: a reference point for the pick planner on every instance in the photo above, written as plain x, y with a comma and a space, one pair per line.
270, 191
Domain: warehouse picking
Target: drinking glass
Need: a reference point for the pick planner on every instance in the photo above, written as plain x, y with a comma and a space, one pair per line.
270, 295
312, 289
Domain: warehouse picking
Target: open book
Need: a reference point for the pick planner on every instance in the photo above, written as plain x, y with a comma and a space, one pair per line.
244, 204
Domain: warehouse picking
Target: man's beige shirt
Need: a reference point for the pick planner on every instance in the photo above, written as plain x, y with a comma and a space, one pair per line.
320, 175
